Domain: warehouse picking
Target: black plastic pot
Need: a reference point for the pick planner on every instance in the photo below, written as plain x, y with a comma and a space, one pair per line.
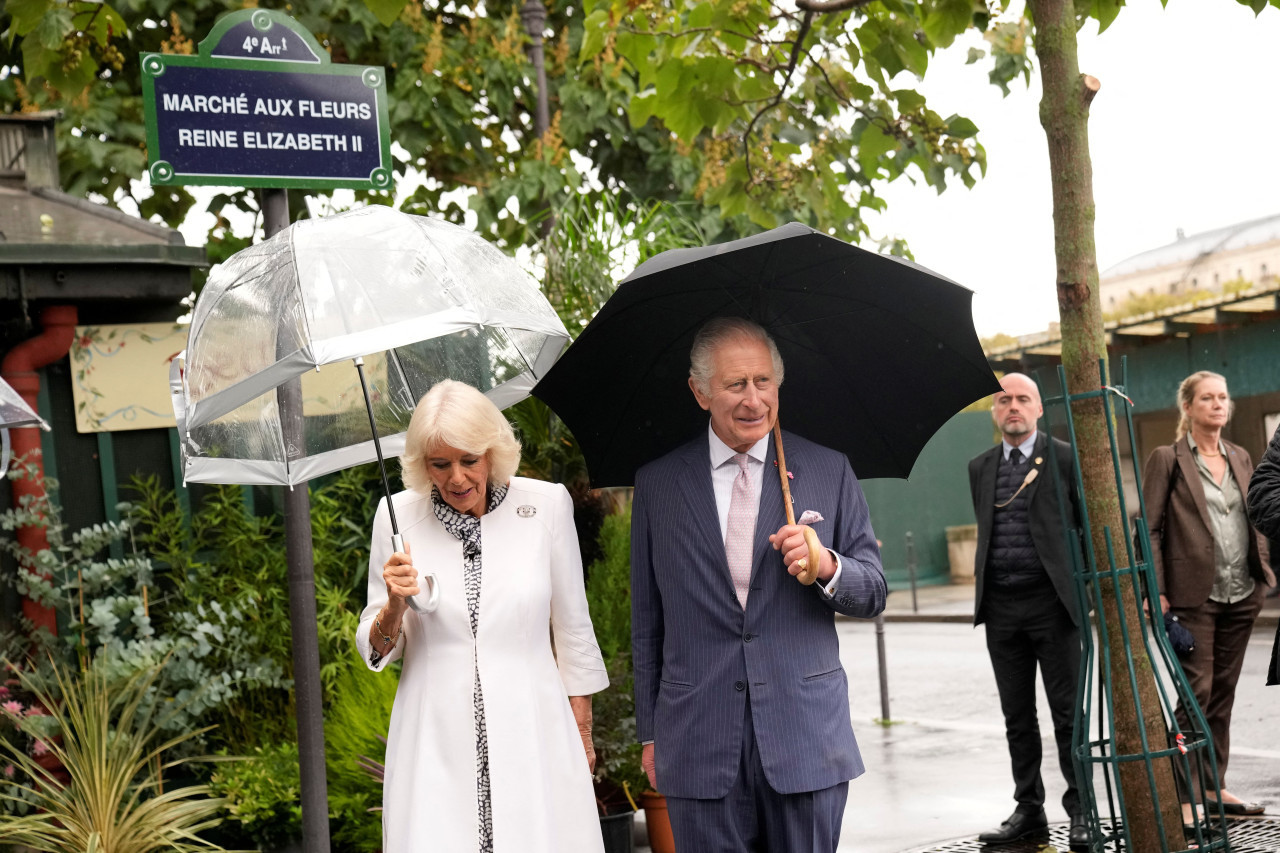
617, 830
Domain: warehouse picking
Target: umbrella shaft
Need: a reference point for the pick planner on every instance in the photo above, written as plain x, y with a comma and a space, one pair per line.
377, 446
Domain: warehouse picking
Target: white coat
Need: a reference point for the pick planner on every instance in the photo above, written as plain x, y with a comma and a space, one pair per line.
531, 579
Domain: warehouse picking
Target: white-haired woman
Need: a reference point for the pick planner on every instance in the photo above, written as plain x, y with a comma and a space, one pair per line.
1210, 564
490, 741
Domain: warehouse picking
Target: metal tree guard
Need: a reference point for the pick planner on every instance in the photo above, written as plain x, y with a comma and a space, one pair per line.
1190, 750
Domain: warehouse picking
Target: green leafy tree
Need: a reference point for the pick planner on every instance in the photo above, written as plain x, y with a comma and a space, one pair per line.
457, 80
790, 114
1064, 112
786, 116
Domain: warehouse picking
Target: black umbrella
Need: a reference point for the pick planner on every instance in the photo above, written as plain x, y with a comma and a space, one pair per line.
879, 352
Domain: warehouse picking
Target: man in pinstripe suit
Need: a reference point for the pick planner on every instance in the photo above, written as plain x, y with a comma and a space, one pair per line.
741, 701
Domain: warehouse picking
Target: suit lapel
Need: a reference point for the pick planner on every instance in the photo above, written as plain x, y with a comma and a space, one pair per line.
1190, 473
700, 497
987, 486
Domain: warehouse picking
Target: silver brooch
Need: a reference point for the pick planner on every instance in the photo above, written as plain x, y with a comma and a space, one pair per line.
526, 511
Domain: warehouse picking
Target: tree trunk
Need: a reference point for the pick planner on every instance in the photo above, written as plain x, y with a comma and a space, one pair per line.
1064, 113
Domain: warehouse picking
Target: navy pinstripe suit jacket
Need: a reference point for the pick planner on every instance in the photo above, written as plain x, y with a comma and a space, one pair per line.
698, 655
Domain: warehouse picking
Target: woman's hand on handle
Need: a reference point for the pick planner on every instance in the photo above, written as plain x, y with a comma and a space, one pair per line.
401, 579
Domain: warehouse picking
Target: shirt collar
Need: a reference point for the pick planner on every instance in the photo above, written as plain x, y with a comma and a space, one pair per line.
722, 453
1196, 450
1027, 446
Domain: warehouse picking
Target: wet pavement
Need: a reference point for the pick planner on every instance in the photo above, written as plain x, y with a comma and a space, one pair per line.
938, 772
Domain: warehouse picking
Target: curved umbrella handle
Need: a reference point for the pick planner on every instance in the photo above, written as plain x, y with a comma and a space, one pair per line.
808, 565
429, 578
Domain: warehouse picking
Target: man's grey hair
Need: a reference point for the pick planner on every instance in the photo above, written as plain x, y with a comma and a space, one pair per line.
719, 331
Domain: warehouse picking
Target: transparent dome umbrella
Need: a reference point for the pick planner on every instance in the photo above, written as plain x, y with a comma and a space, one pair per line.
367, 309
15, 413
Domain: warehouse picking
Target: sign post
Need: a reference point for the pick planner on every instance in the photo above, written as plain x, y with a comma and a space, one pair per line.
261, 105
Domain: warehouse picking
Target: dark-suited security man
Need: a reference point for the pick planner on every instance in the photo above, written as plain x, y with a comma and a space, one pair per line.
1025, 595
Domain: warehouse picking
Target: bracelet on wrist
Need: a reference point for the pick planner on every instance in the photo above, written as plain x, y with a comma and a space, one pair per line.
387, 641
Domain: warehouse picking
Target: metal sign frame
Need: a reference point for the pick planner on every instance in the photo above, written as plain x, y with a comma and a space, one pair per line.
256, 41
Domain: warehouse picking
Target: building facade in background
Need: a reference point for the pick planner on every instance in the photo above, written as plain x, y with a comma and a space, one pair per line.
1247, 253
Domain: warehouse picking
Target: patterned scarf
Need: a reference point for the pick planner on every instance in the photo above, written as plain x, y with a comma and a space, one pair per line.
463, 526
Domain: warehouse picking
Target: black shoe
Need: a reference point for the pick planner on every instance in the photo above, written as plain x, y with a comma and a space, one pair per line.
1078, 834
1017, 825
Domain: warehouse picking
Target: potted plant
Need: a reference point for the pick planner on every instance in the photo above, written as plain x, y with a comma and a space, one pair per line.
111, 738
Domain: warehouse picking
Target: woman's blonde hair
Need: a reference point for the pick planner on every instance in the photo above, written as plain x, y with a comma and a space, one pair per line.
454, 414
1187, 393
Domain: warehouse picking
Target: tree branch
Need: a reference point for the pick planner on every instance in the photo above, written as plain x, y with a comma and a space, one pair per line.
830, 85
827, 6
1091, 87
755, 63
695, 30
796, 52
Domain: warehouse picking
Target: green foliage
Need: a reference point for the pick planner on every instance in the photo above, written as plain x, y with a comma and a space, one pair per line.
613, 710
222, 603
609, 586
355, 728
760, 98
262, 793
595, 235
112, 740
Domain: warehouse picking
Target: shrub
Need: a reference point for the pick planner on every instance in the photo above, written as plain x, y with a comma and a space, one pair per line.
111, 742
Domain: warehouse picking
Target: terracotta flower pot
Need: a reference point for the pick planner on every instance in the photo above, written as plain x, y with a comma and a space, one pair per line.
658, 822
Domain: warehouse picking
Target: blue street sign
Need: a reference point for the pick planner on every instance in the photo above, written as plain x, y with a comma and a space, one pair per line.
262, 105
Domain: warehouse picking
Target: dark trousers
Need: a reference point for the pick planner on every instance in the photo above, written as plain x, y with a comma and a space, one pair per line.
754, 818
1222, 637
1026, 629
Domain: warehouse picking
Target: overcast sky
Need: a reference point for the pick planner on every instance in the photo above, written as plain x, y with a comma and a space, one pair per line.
1183, 134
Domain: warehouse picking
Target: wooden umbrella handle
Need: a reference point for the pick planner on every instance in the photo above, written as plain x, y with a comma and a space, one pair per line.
809, 566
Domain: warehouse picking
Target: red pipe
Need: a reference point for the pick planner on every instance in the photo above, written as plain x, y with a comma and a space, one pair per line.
19, 370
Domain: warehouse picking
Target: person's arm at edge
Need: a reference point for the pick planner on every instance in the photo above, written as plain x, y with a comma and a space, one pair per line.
582, 668
1264, 491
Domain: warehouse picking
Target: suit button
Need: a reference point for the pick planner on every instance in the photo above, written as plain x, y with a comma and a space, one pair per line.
746, 638
739, 686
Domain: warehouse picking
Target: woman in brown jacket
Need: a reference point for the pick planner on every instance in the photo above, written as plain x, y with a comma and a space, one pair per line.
1210, 563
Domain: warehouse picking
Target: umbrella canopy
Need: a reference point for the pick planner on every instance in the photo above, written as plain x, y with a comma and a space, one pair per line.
879, 352
14, 411
418, 299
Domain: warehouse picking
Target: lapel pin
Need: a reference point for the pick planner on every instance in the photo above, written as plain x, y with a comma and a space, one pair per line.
526, 511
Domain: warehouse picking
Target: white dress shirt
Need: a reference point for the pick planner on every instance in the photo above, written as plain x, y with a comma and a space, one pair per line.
1027, 446
724, 471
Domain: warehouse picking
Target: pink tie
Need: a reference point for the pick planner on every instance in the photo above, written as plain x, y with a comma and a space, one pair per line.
740, 532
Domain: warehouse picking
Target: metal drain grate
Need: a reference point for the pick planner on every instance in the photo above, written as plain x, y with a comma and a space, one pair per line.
1247, 835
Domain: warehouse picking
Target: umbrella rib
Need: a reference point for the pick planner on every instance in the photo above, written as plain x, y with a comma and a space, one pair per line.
297, 286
